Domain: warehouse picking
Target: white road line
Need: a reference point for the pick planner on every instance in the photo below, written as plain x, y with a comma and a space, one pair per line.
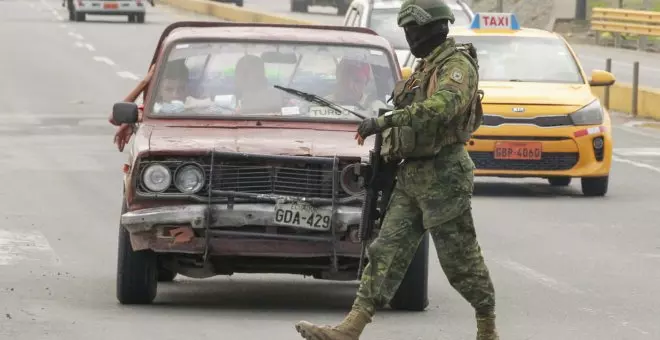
636, 164
24, 245
105, 60
76, 35
90, 47
78, 44
538, 277
128, 75
640, 152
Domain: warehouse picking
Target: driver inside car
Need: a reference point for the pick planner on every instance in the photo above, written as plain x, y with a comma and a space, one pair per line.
351, 89
252, 91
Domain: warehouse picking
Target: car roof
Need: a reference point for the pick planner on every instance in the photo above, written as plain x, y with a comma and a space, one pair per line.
391, 4
271, 32
522, 32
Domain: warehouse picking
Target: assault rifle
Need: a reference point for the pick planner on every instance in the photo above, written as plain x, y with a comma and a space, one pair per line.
379, 180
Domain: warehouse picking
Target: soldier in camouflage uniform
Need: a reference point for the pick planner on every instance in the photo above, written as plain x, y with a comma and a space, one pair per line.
437, 109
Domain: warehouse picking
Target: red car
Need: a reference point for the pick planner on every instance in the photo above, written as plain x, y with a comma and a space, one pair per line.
244, 158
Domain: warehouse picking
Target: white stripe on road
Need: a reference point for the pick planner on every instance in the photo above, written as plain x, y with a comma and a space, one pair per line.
538, 277
76, 35
105, 60
18, 246
78, 44
636, 164
90, 47
128, 75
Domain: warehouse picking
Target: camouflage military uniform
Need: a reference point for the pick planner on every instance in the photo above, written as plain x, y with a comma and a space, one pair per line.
433, 190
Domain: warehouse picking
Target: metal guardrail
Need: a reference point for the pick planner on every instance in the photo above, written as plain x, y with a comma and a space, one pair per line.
625, 21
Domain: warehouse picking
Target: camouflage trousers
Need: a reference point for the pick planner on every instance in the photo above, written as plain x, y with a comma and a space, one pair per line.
433, 195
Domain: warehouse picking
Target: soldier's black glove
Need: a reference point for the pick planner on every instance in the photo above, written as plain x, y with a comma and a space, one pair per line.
370, 126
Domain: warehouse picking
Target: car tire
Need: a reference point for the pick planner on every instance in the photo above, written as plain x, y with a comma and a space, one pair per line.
342, 7
72, 15
595, 186
131, 18
137, 271
140, 18
165, 274
559, 181
412, 294
79, 16
299, 6
239, 3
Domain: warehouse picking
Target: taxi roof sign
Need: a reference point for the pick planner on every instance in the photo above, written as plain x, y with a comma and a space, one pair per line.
498, 21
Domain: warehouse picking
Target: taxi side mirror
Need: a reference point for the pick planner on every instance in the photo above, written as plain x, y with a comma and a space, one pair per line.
406, 72
601, 78
125, 113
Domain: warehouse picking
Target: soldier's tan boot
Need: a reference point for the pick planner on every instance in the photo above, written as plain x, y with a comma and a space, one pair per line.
349, 329
486, 329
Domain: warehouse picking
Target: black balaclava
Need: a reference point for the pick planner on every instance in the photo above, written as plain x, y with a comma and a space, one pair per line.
424, 39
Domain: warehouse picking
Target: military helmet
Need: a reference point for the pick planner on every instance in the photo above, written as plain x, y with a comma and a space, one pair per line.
423, 12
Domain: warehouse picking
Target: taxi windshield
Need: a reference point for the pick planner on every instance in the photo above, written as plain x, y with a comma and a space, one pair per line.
383, 22
524, 59
236, 80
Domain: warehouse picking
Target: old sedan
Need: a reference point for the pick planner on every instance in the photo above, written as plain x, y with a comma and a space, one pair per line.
244, 159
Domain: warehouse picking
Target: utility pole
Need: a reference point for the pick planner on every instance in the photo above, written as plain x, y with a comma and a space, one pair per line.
581, 10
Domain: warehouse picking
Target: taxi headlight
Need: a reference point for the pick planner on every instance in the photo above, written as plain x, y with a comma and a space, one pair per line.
156, 178
591, 114
189, 179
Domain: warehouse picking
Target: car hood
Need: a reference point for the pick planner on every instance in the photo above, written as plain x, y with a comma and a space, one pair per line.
536, 93
274, 141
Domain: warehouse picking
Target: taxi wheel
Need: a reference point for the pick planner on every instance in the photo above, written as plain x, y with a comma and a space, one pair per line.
137, 271
165, 274
79, 16
412, 294
140, 18
595, 186
239, 3
559, 181
131, 18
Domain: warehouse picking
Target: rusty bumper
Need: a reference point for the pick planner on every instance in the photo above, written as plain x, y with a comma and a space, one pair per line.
148, 231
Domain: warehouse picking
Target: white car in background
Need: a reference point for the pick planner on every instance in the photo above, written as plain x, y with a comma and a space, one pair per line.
134, 9
380, 16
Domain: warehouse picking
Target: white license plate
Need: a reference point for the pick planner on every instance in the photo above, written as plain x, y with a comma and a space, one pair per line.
302, 215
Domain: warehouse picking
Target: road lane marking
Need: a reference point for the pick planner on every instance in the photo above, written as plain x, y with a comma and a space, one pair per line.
639, 152
76, 35
636, 164
90, 47
127, 75
538, 277
18, 246
78, 44
105, 60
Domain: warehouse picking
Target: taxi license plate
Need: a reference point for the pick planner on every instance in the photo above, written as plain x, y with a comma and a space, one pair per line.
302, 215
110, 5
518, 151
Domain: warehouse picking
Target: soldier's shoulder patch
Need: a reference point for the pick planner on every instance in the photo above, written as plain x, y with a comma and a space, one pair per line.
456, 75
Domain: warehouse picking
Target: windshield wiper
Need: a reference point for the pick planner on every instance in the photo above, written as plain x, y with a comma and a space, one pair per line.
318, 100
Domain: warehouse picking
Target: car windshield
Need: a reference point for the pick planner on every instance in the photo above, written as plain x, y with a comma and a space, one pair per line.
524, 59
230, 79
383, 22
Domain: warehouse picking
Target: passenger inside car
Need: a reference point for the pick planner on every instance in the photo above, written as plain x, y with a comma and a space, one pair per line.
351, 89
253, 92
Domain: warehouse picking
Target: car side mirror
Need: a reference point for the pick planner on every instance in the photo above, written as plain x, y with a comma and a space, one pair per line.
406, 72
601, 78
125, 113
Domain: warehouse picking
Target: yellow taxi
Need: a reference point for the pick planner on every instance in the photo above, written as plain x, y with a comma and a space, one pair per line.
541, 118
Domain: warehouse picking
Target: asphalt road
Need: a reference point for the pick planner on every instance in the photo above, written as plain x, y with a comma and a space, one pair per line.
565, 266
591, 57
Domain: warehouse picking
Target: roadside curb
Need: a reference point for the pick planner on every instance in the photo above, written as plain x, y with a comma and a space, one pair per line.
620, 94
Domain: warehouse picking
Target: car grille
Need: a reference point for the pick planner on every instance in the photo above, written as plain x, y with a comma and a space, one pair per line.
550, 161
541, 121
260, 177
287, 179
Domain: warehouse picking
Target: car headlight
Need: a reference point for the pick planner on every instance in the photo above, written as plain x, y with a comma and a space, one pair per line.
591, 114
157, 178
189, 179
351, 181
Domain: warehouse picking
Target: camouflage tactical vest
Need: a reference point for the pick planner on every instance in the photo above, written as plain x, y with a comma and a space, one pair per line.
404, 142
